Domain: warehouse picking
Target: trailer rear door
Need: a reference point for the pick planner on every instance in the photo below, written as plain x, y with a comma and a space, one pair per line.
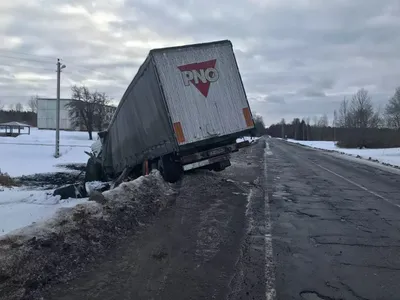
203, 91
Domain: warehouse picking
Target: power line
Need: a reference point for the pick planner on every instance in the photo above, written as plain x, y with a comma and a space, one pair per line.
29, 54
91, 70
48, 62
15, 96
24, 58
26, 67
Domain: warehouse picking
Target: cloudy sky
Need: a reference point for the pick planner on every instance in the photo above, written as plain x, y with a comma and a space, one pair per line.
297, 58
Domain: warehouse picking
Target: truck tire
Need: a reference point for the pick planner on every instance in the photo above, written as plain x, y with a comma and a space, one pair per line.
220, 166
94, 171
170, 169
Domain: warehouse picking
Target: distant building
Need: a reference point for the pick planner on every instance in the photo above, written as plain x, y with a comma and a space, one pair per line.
46, 114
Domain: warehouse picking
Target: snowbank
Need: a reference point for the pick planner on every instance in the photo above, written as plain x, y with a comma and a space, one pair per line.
32, 154
388, 156
247, 138
55, 250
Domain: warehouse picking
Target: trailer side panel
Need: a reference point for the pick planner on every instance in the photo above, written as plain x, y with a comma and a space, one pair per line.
141, 128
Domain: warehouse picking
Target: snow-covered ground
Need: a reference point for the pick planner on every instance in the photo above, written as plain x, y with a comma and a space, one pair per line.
32, 154
389, 156
19, 208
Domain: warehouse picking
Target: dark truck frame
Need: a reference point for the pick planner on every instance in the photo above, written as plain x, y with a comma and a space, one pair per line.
128, 148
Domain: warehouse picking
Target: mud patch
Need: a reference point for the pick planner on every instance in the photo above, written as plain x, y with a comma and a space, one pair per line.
312, 295
74, 167
48, 181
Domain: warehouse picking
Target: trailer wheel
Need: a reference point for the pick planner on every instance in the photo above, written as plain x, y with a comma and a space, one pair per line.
171, 170
220, 166
94, 171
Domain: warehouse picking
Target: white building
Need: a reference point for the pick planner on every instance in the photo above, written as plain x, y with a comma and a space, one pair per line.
46, 114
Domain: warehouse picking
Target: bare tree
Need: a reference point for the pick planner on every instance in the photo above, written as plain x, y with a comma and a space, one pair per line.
315, 121
1, 106
323, 121
259, 125
296, 127
32, 104
392, 110
343, 119
87, 109
19, 107
335, 118
362, 113
100, 112
334, 124
283, 125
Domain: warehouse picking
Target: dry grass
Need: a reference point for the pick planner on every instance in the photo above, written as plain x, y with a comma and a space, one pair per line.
6, 180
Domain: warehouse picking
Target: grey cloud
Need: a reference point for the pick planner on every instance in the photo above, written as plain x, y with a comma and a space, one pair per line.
275, 99
304, 54
311, 92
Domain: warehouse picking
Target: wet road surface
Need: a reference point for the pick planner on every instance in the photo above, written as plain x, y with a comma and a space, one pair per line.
336, 226
198, 248
283, 222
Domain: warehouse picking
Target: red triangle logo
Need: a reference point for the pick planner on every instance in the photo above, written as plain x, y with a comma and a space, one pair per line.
200, 75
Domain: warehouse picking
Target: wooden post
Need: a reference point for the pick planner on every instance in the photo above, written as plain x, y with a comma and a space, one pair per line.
146, 167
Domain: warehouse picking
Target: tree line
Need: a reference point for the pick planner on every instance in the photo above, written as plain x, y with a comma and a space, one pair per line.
31, 106
356, 123
26, 117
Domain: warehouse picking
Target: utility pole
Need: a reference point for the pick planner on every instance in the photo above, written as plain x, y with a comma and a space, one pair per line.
59, 68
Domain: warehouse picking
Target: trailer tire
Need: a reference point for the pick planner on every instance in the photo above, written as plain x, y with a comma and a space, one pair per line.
170, 169
220, 166
94, 171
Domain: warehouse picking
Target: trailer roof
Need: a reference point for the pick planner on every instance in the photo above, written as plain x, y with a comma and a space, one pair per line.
190, 46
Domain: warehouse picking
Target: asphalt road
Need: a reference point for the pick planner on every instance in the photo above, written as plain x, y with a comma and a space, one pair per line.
199, 248
283, 222
336, 226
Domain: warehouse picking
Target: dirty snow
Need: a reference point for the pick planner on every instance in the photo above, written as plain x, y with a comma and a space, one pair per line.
34, 153
388, 156
247, 138
61, 246
20, 208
